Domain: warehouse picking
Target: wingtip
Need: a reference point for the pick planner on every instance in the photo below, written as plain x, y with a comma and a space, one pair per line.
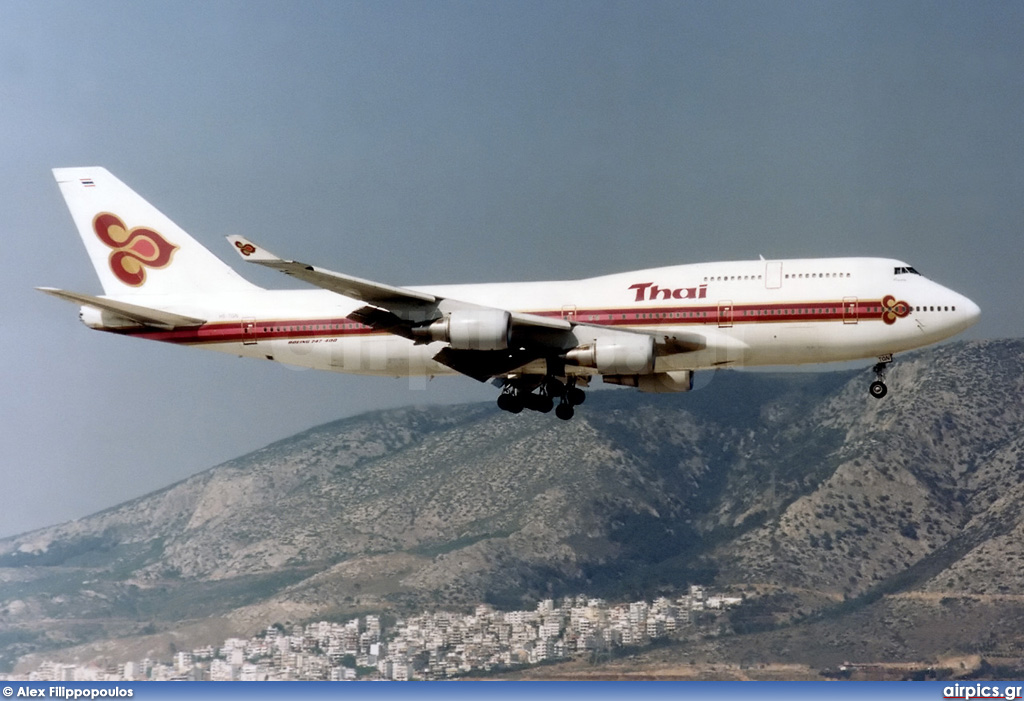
249, 250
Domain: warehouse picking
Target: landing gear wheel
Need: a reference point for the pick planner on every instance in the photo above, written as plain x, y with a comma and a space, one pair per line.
510, 402
554, 387
537, 402
564, 411
878, 389
575, 396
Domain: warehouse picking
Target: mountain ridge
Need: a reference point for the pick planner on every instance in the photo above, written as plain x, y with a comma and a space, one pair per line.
797, 488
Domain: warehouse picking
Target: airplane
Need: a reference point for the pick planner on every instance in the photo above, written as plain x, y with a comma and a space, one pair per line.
540, 342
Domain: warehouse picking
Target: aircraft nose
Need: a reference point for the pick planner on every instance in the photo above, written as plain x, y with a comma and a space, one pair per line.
971, 311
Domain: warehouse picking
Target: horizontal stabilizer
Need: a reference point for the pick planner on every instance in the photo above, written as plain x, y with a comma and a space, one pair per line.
146, 316
347, 285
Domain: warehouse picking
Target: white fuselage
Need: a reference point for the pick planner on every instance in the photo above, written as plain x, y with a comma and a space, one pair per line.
750, 313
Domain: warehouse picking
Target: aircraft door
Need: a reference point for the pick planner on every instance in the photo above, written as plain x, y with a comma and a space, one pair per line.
849, 310
569, 312
249, 331
773, 275
725, 310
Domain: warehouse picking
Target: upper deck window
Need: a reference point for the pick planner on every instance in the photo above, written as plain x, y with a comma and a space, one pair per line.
904, 270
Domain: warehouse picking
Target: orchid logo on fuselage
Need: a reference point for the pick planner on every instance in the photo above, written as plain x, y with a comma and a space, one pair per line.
649, 291
134, 250
893, 309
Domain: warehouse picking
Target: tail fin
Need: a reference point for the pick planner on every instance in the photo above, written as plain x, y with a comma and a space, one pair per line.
133, 246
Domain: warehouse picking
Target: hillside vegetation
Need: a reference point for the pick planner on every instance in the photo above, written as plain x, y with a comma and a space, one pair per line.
898, 517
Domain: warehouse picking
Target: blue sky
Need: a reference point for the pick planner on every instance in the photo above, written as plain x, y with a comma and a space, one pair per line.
420, 142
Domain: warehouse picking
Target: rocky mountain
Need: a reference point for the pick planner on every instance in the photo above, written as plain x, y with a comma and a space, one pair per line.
799, 489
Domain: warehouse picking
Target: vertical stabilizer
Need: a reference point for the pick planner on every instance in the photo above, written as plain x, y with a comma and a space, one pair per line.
133, 246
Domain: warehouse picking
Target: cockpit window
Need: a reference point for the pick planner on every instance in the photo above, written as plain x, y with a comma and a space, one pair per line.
904, 270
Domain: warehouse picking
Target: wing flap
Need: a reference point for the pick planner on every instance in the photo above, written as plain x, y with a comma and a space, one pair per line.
383, 320
147, 316
524, 319
483, 365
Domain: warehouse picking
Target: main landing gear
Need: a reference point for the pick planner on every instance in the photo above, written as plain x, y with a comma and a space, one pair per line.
878, 388
517, 395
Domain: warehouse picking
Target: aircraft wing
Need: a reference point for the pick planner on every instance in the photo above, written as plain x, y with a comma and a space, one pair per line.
385, 297
347, 285
406, 313
147, 316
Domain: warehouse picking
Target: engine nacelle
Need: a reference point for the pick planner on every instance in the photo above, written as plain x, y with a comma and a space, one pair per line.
624, 354
100, 320
472, 329
658, 383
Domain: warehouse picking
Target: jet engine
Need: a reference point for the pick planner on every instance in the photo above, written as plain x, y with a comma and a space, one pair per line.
623, 354
471, 329
659, 382
98, 319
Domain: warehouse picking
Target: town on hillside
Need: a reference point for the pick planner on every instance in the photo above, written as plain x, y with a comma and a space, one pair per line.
439, 645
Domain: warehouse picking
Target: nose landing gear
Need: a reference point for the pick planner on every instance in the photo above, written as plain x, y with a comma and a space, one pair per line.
878, 388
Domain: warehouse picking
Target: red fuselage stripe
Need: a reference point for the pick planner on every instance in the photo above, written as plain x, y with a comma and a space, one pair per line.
705, 315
